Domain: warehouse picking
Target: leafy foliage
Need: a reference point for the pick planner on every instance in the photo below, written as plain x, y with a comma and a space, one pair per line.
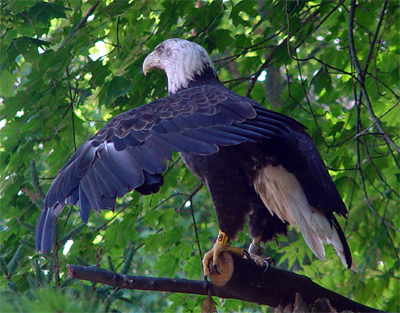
70, 66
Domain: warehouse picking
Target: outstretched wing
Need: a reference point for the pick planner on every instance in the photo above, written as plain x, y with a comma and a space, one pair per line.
130, 151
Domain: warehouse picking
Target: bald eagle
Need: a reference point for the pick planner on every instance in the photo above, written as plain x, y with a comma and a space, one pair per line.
254, 161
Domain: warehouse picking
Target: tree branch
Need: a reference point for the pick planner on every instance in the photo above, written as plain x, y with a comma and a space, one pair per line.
238, 279
80, 25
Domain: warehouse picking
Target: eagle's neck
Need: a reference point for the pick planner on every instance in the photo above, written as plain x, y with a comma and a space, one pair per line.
191, 71
206, 78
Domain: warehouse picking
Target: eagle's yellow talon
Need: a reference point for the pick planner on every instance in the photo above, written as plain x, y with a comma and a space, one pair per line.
221, 245
262, 261
256, 251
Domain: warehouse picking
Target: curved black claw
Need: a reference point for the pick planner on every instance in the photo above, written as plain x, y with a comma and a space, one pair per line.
271, 261
207, 282
246, 254
216, 269
266, 265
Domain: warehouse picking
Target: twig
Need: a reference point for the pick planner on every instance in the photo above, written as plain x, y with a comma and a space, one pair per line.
357, 140
361, 75
313, 31
117, 35
360, 79
258, 73
196, 232
366, 130
35, 182
190, 196
71, 104
371, 48
80, 25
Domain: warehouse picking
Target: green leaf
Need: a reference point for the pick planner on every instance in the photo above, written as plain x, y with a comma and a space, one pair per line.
8, 82
3, 266
220, 39
43, 12
38, 272
32, 283
81, 261
322, 80
20, 6
110, 264
172, 236
118, 87
28, 226
282, 55
166, 265
128, 260
71, 234
26, 46
336, 128
15, 261
243, 6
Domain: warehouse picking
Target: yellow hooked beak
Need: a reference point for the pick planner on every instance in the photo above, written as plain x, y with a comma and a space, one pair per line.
151, 62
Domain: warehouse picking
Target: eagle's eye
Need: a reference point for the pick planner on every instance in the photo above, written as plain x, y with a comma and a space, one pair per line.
160, 48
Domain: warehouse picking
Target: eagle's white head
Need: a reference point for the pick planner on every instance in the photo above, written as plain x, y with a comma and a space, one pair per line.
183, 61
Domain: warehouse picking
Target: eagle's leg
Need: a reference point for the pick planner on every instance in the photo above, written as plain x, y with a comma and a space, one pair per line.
221, 245
256, 251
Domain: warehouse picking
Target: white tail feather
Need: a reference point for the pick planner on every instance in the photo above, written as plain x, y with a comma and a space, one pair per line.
284, 197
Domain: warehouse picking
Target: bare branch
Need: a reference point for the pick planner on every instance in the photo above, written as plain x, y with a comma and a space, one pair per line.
258, 73
361, 74
371, 49
360, 79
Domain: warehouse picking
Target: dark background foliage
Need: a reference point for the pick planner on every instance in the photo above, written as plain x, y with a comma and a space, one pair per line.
67, 67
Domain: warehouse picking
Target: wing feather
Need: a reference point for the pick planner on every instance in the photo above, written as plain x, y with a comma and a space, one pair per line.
92, 193
130, 151
212, 135
147, 159
84, 204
